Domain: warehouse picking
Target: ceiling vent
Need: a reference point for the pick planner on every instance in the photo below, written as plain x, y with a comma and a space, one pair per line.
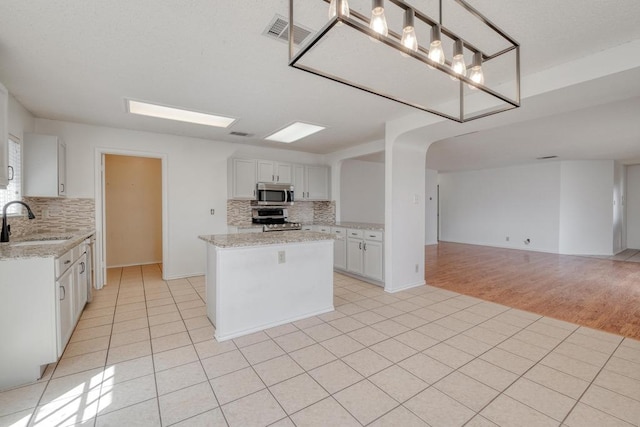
278, 29
244, 134
546, 157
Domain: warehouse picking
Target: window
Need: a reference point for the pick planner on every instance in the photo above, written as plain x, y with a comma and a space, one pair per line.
14, 189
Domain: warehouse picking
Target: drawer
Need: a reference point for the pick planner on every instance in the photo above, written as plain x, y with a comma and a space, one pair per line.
338, 230
64, 262
373, 235
307, 228
354, 233
323, 229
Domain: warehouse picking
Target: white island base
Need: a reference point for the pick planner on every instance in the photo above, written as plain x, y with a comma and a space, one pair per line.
251, 288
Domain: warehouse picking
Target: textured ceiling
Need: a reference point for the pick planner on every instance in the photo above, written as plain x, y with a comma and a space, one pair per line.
78, 60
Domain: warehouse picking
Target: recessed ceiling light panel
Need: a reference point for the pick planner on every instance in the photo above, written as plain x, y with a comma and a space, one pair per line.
294, 132
179, 114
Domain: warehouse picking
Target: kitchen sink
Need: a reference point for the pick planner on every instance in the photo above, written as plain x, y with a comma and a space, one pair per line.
40, 242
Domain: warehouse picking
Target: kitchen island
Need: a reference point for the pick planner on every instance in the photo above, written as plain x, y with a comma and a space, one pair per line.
260, 280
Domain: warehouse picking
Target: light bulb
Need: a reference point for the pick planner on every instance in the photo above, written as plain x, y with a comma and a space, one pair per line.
457, 64
333, 11
476, 75
436, 54
409, 39
378, 21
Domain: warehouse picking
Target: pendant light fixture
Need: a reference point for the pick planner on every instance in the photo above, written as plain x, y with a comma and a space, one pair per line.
344, 9
457, 64
376, 69
409, 39
378, 22
436, 54
476, 75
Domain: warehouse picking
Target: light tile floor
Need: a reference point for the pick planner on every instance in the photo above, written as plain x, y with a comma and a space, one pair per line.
143, 354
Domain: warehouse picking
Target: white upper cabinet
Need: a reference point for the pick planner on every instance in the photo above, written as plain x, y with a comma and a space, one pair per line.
317, 182
285, 173
242, 179
4, 137
311, 182
298, 182
44, 166
269, 171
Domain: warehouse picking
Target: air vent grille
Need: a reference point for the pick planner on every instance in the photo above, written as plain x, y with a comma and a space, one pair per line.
245, 134
278, 29
546, 157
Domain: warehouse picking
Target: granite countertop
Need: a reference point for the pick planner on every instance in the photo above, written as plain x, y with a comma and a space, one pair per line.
71, 239
358, 225
263, 239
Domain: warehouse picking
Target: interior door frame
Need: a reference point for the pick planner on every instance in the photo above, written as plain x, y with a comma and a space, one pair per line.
101, 241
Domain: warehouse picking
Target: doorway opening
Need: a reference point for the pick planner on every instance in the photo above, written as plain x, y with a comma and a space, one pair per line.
131, 211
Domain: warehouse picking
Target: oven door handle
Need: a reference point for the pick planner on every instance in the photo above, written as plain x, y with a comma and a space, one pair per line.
286, 196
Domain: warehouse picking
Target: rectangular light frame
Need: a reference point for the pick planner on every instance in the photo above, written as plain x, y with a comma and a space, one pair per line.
294, 132
178, 114
360, 23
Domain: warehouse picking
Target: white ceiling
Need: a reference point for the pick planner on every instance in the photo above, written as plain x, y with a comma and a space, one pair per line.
78, 61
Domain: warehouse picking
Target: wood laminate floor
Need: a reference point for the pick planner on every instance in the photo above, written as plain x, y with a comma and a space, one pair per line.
598, 293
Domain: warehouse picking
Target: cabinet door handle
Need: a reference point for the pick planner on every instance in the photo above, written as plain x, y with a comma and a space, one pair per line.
12, 174
83, 267
278, 178
365, 246
67, 262
62, 186
254, 193
360, 245
64, 293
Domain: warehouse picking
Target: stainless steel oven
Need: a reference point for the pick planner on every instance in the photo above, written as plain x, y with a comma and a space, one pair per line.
270, 194
273, 219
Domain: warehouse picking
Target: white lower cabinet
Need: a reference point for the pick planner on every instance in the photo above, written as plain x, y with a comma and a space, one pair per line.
372, 252
41, 300
356, 251
339, 248
80, 285
365, 253
66, 309
354, 256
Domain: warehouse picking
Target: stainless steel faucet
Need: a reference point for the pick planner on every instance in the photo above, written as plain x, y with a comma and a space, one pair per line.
4, 237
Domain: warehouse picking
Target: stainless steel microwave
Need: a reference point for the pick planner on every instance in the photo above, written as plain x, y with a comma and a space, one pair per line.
271, 194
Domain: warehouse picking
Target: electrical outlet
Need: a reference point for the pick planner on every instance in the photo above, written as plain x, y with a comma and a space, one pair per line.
281, 257
45, 213
507, 238
417, 267
213, 211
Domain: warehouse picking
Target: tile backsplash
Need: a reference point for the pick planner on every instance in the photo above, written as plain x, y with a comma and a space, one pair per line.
54, 215
239, 212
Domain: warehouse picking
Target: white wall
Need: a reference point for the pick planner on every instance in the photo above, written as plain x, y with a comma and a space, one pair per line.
404, 214
197, 180
633, 207
586, 215
20, 120
431, 208
484, 207
362, 191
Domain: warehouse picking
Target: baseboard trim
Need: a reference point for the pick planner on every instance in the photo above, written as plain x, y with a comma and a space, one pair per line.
133, 265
